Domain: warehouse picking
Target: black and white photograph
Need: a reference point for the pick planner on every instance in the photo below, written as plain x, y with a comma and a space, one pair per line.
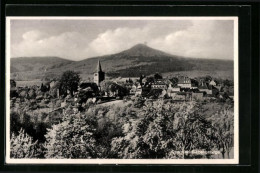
122, 90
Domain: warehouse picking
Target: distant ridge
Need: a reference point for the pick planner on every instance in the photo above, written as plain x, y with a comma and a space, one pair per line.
137, 60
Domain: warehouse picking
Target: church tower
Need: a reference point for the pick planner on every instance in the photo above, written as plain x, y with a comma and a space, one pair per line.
99, 75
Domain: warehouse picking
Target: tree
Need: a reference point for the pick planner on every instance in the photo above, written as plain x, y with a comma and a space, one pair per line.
12, 83
164, 131
13, 93
22, 146
195, 82
44, 88
69, 82
84, 95
72, 138
150, 79
227, 83
174, 81
223, 123
31, 94
157, 76
208, 78
23, 93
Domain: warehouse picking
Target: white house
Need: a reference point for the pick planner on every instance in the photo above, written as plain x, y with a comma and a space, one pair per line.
212, 83
184, 82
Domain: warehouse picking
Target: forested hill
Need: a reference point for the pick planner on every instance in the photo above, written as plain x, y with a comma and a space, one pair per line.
140, 59
23, 64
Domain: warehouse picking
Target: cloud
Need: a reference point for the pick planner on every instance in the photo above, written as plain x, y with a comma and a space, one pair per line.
33, 35
119, 39
202, 39
35, 43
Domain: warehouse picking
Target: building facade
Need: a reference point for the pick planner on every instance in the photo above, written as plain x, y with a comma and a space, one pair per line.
184, 82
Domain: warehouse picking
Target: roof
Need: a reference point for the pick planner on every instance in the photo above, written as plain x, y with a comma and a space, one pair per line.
159, 82
184, 80
98, 69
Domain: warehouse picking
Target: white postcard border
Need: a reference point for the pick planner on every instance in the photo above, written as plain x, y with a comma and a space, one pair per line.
235, 160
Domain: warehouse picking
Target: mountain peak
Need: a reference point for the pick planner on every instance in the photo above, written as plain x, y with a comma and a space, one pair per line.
140, 45
143, 50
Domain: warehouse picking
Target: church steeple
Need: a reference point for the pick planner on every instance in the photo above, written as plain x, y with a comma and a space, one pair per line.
99, 75
99, 69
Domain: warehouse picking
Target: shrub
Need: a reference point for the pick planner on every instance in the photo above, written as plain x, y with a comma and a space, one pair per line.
72, 138
165, 131
22, 146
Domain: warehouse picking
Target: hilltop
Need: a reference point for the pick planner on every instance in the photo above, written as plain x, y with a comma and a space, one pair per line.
140, 59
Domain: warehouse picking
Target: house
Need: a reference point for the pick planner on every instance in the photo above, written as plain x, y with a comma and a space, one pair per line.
206, 90
159, 84
173, 89
184, 82
212, 83
203, 87
53, 83
133, 90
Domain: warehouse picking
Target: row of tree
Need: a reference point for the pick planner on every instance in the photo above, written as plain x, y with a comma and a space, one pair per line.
157, 129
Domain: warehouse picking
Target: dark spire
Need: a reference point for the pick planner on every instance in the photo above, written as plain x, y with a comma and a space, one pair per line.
99, 69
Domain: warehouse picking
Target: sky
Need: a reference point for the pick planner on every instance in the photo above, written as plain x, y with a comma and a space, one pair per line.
86, 38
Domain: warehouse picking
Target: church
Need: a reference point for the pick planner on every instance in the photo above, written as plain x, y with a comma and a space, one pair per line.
99, 75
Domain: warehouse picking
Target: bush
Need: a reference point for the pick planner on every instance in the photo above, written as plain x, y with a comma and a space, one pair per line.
22, 146
165, 131
72, 138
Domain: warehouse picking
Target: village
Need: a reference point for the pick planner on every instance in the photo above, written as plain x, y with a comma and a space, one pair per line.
48, 98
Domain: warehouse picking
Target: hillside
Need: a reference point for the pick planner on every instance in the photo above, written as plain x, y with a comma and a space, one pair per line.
22, 64
29, 68
133, 62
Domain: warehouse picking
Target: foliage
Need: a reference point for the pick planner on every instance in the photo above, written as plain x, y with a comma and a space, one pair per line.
109, 86
34, 125
44, 88
157, 76
84, 95
69, 82
72, 138
164, 131
136, 128
13, 93
12, 83
139, 102
223, 123
31, 94
22, 146
174, 81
